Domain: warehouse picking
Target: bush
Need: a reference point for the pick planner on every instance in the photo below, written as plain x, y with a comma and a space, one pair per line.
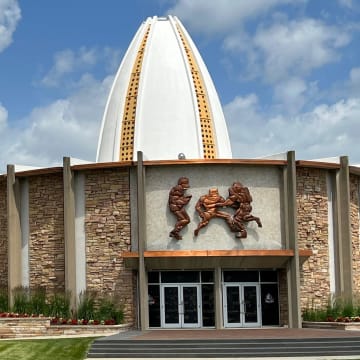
110, 309
4, 303
86, 307
59, 305
337, 309
21, 296
37, 302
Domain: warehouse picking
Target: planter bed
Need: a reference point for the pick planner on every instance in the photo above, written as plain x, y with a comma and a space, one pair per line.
331, 325
40, 326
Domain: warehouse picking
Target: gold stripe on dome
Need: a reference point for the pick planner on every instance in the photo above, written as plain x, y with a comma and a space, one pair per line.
206, 121
128, 121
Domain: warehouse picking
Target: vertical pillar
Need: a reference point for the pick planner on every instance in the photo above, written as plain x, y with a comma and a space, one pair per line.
219, 322
69, 231
293, 268
343, 229
14, 232
143, 290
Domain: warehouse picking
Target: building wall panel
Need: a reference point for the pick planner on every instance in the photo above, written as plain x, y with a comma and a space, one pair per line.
108, 233
3, 235
46, 232
312, 209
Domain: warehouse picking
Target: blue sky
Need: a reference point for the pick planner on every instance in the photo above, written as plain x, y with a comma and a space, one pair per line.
287, 72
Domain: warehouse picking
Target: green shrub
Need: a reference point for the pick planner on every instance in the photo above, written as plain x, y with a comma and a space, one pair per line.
21, 296
110, 309
86, 307
37, 302
4, 302
59, 305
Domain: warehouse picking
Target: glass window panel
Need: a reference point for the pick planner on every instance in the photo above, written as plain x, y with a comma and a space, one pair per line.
154, 305
208, 305
171, 304
268, 276
207, 276
241, 276
269, 304
190, 300
180, 277
250, 304
233, 304
153, 277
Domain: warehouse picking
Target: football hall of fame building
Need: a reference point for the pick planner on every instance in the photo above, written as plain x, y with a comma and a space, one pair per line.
186, 235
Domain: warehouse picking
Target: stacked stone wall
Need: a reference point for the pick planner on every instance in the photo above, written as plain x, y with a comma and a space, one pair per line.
312, 209
46, 232
107, 228
3, 235
283, 298
354, 217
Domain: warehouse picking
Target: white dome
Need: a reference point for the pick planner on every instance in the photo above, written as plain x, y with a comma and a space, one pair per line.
163, 101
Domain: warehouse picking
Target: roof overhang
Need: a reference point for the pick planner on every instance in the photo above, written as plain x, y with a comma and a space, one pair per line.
206, 259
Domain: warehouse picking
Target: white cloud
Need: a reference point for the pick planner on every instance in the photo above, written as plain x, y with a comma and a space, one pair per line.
327, 130
290, 48
10, 15
222, 15
68, 61
355, 76
346, 3
3, 118
66, 127
289, 95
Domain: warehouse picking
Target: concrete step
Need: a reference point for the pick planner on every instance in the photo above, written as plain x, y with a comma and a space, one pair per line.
103, 348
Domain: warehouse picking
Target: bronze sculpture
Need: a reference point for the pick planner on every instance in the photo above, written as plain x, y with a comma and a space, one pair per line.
239, 199
207, 209
177, 202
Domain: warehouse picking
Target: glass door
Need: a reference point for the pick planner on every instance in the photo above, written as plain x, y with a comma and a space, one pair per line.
170, 306
191, 306
241, 305
251, 304
180, 305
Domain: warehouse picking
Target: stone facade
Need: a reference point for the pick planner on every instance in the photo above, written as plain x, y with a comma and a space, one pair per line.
283, 298
108, 233
46, 232
312, 209
354, 213
3, 235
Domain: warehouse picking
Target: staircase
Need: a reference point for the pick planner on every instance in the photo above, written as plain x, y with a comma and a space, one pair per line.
239, 348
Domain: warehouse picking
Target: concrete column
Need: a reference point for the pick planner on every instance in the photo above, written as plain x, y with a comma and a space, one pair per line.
293, 268
25, 231
14, 232
343, 229
69, 231
219, 320
143, 287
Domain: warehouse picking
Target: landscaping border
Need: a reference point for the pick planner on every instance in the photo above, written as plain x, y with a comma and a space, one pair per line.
11, 328
331, 325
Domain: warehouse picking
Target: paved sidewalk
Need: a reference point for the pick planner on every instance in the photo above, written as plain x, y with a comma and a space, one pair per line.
264, 333
267, 333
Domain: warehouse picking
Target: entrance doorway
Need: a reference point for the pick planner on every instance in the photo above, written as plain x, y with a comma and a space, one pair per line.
180, 306
241, 305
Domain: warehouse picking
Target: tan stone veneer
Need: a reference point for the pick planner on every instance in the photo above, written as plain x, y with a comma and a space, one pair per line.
3, 236
107, 228
312, 209
354, 213
46, 236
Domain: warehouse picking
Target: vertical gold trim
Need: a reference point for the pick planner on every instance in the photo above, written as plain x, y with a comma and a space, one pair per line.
206, 121
128, 121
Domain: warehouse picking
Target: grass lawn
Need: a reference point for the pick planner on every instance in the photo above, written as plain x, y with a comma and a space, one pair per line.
48, 349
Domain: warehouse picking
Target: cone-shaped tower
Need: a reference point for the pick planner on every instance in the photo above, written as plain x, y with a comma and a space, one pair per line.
163, 101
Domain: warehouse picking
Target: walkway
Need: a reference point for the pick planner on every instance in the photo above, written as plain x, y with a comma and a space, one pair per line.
236, 344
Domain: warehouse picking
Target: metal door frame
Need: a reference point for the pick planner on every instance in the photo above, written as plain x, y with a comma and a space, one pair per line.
240, 287
180, 287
